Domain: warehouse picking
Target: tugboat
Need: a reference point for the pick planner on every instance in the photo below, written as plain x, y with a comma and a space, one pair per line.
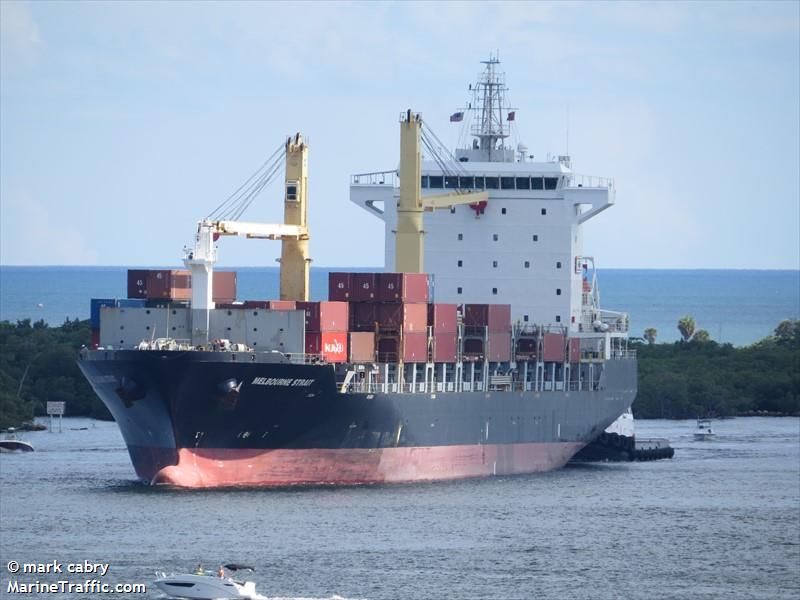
704, 433
11, 443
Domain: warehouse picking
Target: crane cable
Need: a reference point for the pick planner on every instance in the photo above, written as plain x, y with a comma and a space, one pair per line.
240, 200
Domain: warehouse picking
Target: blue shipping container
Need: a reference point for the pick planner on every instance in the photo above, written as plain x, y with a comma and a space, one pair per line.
94, 312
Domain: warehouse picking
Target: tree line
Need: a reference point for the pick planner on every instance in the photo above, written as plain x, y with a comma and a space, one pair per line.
692, 377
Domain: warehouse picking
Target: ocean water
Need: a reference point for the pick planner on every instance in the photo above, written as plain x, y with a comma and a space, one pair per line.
739, 307
720, 520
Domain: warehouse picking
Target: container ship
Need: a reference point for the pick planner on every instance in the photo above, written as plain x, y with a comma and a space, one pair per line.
480, 350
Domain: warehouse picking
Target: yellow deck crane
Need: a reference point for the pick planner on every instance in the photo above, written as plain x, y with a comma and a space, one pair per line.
293, 234
410, 240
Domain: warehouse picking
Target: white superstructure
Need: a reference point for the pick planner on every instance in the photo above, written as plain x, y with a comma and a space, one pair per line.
524, 245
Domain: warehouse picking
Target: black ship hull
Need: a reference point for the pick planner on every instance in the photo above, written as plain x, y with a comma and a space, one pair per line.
205, 419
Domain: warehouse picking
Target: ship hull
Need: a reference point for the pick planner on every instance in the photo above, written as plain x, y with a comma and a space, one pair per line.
203, 419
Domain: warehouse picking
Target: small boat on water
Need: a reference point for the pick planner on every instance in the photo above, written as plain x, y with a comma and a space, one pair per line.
202, 585
11, 443
704, 431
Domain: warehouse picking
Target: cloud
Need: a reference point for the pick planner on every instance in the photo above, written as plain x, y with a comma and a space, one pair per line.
21, 40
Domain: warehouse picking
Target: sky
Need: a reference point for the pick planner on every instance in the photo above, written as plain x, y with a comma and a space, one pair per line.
122, 124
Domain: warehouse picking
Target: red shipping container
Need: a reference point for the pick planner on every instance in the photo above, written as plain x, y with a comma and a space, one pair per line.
325, 316
443, 318
331, 345
363, 316
339, 286
444, 347
411, 318
282, 305
411, 348
223, 286
362, 287
498, 348
362, 347
401, 287
553, 349
496, 316
95, 339
137, 283
169, 284
574, 350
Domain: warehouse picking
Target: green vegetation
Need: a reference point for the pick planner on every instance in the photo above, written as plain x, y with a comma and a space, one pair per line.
695, 378
37, 364
681, 380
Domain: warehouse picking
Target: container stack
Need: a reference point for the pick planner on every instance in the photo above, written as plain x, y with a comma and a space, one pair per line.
554, 347
95, 306
326, 329
175, 285
487, 332
443, 321
391, 308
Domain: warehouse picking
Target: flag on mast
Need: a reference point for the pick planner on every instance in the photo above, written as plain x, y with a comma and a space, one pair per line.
455, 117
511, 115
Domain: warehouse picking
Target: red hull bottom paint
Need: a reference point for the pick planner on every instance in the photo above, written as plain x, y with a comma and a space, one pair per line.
219, 467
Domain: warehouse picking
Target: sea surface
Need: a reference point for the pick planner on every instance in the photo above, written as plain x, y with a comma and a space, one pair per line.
720, 520
735, 306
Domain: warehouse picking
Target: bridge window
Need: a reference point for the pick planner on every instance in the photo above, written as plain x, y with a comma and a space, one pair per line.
535, 238
503, 211
550, 183
494, 264
558, 264
527, 264
494, 291
480, 183
525, 318
507, 183
495, 237
423, 181
558, 318
461, 263
537, 183
523, 183
558, 291
544, 211
451, 182
458, 290
467, 183
492, 183
436, 181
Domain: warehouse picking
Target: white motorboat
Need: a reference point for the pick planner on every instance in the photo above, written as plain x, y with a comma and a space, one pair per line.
703, 431
206, 586
11, 443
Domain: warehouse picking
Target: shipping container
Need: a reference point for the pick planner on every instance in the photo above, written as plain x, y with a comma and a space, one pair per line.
473, 348
229, 305
94, 310
131, 303
325, 316
257, 304
169, 284
444, 347
362, 287
223, 286
553, 347
443, 318
363, 316
526, 347
401, 287
339, 286
396, 316
497, 317
498, 348
282, 305
410, 348
137, 283
331, 345
574, 350
362, 347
